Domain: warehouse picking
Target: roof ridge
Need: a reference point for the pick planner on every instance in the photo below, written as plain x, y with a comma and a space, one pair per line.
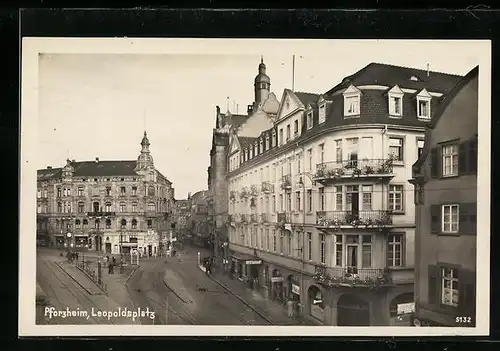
414, 69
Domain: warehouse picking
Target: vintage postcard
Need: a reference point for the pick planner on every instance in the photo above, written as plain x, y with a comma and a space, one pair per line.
226, 186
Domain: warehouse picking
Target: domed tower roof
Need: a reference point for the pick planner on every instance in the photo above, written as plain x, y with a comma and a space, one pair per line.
145, 160
262, 77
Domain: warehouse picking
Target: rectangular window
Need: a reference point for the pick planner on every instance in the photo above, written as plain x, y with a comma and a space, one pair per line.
396, 148
134, 207
322, 247
424, 110
296, 127
352, 192
420, 147
299, 165
80, 207
338, 151
450, 218
45, 193
297, 201
282, 204
367, 197
288, 132
59, 192
281, 242
309, 200
351, 106
321, 153
367, 251
274, 204
309, 246
449, 287
322, 113
108, 207
396, 198
122, 190
450, 160
309, 120
38, 208
395, 250
338, 250
289, 246
288, 196
309, 159
274, 240
122, 207
281, 136
321, 199
338, 198
80, 191
395, 103
150, 223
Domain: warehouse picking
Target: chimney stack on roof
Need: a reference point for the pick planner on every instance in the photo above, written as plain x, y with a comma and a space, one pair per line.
49, 167
428, 71
96, 159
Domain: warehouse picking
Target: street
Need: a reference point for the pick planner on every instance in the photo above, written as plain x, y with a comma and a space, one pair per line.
191, 296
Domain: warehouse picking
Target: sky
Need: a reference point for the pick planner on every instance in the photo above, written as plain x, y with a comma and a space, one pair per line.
99, 104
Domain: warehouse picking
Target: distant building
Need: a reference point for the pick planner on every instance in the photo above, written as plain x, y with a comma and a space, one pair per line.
180, 216
261, 113
320, 210
445, 179
199, 220
106, 206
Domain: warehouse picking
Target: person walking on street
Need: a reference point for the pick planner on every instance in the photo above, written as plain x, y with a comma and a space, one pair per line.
289, 308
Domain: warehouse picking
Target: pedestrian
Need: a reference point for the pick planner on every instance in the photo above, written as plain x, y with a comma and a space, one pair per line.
114, 260
289, 307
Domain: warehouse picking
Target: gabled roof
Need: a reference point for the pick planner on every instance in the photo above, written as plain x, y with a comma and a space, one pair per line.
390, 75
307, 98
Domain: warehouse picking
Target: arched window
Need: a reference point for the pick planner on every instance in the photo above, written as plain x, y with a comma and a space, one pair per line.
108, 206
97, 224
122, 206
134, 224
81, 207
85, 223
59, 207
151, 207
108, 223
151, 191
124, 223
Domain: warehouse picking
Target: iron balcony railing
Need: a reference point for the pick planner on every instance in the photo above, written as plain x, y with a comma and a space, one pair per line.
352, 276
101, 214
360, 168
244, 192
284, 217
375, 218
286, 182
267, 187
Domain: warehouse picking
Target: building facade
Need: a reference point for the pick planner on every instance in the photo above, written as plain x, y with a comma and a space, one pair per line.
181, 214
200, 221
106, 206
260, 112
445, 179
320, 210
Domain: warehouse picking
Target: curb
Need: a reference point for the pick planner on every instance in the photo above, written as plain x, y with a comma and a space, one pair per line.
75, 280
241, 299
100, 287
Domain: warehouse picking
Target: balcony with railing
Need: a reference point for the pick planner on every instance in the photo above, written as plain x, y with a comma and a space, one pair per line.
232, 195
263, 218
101, 214
244, 192
363, 218
267, 187
284, 218
353, 277
243, 218
365, 168
286, 182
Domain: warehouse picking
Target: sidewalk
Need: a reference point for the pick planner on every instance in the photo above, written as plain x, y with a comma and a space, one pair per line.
80, 278
269, 308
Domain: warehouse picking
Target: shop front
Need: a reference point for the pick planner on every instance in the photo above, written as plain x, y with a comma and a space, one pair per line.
277, 291
316, 303
246, 268
293, 291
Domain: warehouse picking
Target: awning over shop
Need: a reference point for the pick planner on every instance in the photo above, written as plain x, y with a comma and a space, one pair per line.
129, 244
246, 259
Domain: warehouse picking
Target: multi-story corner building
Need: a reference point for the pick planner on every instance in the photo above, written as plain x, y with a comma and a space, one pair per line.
200, 221
107, 206
261, 111
320, 208
445, 179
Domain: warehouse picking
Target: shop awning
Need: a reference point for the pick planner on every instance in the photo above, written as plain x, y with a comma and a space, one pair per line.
246, 259
129, 244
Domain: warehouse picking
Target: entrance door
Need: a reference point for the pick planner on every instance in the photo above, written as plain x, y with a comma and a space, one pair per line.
108, 248
352, 259
352, 311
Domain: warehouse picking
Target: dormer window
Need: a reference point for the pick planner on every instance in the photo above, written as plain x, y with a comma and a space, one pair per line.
322, 113
424, 105
309, 120
251, 153
247, 155
261, 143
413, 78
296, 128
256, 149
267, 141
396, 101
274, 138
352, 97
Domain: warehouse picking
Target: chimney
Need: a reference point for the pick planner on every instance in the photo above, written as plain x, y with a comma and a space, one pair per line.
428, 71
96, 159
49, 167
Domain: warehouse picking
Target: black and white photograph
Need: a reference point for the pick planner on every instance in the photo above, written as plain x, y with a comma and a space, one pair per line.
223, 186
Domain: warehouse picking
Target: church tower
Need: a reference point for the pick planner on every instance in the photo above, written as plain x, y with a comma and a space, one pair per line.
262, 85
145, 160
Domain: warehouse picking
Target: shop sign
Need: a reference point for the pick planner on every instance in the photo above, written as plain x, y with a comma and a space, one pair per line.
295, 289
404, 308
276, 279
253, 262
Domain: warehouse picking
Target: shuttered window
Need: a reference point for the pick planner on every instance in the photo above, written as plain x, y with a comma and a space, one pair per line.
443, 220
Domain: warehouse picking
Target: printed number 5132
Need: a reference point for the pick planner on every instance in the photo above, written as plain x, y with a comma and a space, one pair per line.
463, 320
